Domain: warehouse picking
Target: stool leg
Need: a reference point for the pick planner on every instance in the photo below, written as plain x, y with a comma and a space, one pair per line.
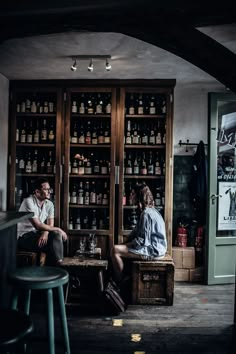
51, 336
27, 302
63, 319
14, 301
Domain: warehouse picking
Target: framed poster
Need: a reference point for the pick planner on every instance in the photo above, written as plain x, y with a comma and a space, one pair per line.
227, 206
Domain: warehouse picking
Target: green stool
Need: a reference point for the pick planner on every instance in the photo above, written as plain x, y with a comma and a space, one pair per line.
47, 278
15, 327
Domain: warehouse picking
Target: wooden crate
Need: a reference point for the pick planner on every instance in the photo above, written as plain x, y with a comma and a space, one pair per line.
153, 282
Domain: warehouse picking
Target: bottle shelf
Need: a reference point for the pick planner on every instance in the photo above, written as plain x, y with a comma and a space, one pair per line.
31, 114
90, 206
89, 176
90, 145
143, 177
35, 145
34, 175
95, 115
140, 146
161, 116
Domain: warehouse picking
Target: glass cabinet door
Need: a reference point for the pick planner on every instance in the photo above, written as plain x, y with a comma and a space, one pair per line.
222, 189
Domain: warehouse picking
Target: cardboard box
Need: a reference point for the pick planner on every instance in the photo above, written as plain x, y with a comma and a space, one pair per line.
181, 274
184, 257
196, 274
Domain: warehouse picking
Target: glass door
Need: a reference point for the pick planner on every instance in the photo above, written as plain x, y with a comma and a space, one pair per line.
222, 189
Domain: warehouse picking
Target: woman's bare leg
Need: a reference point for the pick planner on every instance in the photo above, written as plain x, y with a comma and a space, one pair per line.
118, 252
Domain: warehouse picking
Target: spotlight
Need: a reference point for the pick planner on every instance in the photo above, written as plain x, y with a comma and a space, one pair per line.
108, 66
90, 67
74, 66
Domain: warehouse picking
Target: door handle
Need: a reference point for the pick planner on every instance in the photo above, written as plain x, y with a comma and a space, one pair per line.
213, 198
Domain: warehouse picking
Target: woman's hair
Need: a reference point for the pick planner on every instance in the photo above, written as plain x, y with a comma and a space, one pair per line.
144, 195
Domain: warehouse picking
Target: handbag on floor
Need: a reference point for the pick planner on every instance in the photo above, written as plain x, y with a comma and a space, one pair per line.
113, 301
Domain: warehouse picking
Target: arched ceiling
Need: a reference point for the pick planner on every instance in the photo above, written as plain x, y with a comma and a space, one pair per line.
170, 25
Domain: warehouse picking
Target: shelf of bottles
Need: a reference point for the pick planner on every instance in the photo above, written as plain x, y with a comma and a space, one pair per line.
144, 151
35, 141
90, 161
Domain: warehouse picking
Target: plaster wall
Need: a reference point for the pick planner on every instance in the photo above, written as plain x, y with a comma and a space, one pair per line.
4, 102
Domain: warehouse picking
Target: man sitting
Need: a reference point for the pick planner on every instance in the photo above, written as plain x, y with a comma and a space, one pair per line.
39, 233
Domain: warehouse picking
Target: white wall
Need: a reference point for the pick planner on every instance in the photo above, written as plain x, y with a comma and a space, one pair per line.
191, 114
4, 100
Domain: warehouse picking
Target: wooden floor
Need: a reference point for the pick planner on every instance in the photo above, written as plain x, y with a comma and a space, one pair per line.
200, 321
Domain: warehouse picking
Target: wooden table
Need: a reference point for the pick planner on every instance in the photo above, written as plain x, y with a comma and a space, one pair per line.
8, 243
77, 267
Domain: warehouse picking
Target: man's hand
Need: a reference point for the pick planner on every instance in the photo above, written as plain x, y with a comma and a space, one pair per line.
64, 235
43, 239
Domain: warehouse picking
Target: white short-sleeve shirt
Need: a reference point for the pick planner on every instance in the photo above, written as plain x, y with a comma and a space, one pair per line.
43, 213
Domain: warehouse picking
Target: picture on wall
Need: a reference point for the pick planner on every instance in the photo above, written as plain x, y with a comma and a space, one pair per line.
227, 206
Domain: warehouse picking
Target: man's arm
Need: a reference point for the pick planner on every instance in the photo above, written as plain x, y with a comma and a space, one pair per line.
40, 226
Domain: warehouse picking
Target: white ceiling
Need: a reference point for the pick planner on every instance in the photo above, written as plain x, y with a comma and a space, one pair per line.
49, 57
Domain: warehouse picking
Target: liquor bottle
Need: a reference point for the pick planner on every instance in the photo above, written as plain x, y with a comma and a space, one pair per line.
27, 105
99, 104
94, 140
33, 107
74, 108
104, 168
124, 194
82, 104
23, 133
130, 194
152, 138
152, 108
78, 222
157, 199
163, 107
157, 169
107, 134
36, 133
136, 169
73, 197
44, 132
17, 134
45, 107
29, 133
158, 138
128, 165
86, 193
28, 166
70, 225
74, 135
140, 105
88, 134
99, 195
81, 134
90, 109
35, 162
51, 107
49, 166
143, 169
22, 165
80, 197
144, 138
43, 165
105, 194
131, 105
96, 167
74, 167
134, 135
92, 194
81, 166
150, 164
108, 104
85, 222
94, 220
17, 164
88, 166
128, 139
51, 134
101, 138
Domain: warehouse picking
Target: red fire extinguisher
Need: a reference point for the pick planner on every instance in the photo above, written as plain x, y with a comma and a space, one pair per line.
181, 239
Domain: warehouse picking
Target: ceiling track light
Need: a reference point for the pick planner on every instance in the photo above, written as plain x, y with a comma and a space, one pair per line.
90, 58
74, 66
90, 67
108, 65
